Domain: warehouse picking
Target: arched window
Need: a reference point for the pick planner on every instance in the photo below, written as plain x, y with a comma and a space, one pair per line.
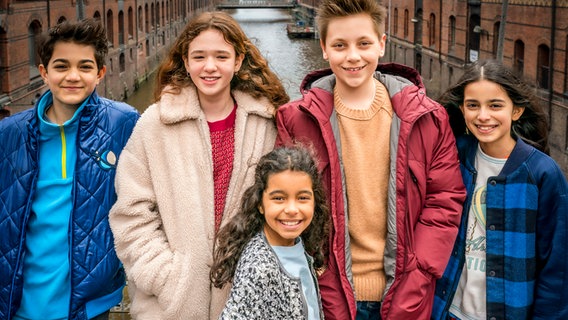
163, 15
140, 19
543, 66
519, 57
452, 33
121, 62
474, 35
97, 16
34, 31
152, 16
158, 22
146, 19
110, 27
120, 27
61, 19
406, 22
432, 30
169, 11
395, 21
130, 23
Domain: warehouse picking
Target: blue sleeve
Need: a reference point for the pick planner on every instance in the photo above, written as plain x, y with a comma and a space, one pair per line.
551, 288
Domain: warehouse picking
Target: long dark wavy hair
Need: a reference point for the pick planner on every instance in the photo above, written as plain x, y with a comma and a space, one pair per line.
233, 237
531, 127
254, 76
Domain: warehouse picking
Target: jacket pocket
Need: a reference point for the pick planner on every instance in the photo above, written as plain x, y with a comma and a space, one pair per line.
414, 296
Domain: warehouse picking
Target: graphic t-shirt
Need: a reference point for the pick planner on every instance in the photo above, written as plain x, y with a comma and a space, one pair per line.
470, 298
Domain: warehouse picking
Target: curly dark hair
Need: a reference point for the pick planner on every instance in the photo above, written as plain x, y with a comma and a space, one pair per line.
233, 237
85, 32
531, 127
254, 76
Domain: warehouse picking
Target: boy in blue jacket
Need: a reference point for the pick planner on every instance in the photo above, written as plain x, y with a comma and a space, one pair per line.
58, 165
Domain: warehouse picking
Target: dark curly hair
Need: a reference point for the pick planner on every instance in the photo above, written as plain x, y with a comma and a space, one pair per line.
531, 127
254, 76
85, 32
233, 237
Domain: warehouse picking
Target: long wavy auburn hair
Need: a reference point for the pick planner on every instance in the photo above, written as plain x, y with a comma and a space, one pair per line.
254, 76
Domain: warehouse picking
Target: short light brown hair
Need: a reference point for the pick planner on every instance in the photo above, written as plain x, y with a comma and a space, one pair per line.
331, 9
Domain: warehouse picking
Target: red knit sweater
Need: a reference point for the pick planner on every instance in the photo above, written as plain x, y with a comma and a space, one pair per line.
223, 149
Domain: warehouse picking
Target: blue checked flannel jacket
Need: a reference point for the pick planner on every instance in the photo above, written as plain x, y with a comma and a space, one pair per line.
527, 237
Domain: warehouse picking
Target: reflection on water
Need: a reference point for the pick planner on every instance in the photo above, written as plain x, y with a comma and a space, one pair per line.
143, 97
290, 59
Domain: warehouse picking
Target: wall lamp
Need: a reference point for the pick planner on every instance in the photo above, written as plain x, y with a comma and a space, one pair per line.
413, 20
477, 29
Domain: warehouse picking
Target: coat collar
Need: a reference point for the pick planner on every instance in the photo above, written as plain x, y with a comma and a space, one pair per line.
467, 144
175, 108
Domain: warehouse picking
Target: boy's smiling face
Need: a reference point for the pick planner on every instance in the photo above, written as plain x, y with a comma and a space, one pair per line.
71, 74
353, 49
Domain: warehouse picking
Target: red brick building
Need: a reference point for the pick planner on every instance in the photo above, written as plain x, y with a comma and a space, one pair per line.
437, 37
440, 37
139, 31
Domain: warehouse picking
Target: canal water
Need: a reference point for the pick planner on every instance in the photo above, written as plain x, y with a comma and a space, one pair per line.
289, 58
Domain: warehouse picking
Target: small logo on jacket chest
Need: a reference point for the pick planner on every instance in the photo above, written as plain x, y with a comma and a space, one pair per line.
105, 159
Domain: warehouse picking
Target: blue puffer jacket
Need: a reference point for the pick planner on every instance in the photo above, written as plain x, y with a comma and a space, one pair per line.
104, 126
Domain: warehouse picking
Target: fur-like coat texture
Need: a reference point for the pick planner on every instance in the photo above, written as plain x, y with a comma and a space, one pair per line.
163, 220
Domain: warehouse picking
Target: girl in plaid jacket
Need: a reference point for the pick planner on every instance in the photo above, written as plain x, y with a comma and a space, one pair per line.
509, 259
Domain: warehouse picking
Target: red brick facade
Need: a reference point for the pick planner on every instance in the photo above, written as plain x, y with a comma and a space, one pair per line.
139, 32
440, 37
437, 37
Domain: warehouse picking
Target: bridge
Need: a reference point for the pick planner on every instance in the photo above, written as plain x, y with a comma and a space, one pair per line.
235, 4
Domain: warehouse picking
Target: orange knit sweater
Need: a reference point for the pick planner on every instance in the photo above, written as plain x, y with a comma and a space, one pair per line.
365, 153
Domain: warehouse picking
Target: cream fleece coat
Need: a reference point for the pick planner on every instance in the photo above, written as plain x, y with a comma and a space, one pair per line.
163, 220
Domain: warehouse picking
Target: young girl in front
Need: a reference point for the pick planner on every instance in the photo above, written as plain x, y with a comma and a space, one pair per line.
509, 259
187, 164
262, 250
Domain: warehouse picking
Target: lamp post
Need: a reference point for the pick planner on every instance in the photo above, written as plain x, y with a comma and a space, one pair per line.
48, 16
501, 39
